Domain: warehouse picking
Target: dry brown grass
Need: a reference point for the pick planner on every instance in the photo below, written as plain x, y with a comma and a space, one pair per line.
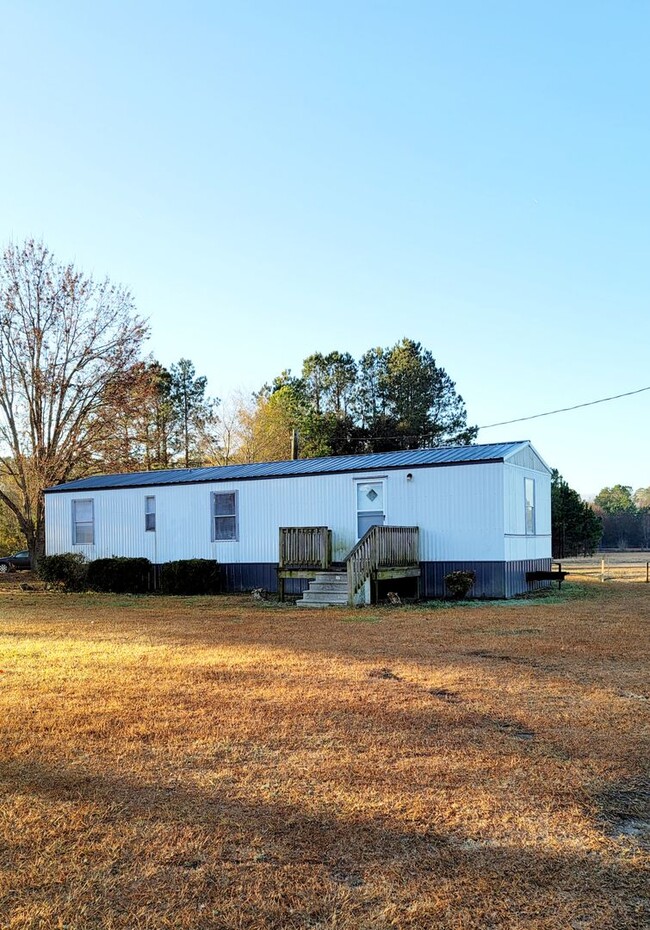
626, 565
210, 763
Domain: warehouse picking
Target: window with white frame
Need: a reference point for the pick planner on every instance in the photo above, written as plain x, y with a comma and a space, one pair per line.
83, 523
529, 497
224, 515
150, 514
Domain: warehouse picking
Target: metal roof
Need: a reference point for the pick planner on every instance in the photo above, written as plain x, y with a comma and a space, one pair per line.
335, 464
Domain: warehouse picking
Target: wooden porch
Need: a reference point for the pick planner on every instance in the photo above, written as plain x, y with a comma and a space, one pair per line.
304, 552
383, 553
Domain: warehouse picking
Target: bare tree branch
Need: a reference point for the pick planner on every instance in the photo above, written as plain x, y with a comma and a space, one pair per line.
64, 341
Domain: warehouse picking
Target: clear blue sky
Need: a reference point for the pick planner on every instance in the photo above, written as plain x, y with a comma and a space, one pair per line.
272, 179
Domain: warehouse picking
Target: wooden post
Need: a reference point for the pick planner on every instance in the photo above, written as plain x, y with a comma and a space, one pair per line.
602, 570
647, 572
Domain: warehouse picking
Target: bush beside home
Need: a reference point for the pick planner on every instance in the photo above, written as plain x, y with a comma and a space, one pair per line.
190, 576
459, 584
69, 570
120, 575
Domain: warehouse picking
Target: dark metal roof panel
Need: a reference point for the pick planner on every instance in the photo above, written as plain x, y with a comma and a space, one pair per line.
416, 458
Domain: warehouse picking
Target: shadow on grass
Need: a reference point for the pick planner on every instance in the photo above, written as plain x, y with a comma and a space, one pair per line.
273, 844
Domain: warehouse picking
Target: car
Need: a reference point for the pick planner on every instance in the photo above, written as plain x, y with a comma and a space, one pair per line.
15, 562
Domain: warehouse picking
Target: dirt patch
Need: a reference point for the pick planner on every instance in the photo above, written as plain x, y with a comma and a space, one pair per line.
383, 673
625, 812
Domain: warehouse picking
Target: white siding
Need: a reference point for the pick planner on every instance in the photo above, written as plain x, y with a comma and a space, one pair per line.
519, 545
528, 458
459, 509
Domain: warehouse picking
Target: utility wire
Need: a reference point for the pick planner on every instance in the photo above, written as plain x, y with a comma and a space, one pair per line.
549, 413
535, 416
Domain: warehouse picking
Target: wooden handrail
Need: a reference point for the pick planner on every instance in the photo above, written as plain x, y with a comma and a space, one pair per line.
381, 547
305, 547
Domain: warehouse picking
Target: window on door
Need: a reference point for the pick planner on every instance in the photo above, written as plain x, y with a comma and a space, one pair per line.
370, 506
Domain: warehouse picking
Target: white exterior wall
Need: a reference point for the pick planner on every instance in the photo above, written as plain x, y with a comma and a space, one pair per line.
519, 545
460, 510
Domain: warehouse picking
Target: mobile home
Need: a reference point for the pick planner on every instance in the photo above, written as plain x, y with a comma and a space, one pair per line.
424, 513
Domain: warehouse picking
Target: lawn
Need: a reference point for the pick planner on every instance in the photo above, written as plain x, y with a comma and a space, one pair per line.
215, 763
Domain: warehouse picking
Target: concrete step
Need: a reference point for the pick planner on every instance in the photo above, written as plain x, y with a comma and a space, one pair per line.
328, 586
325, 597
327, 589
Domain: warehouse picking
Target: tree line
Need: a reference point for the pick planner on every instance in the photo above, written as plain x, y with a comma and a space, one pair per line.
78, 397
625, 516
576, 528
617, 518
389, 399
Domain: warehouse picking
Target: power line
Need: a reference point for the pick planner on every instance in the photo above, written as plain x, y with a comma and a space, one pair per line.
550, 413
535, 416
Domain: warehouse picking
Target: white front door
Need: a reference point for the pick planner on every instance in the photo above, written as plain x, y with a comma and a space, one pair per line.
370, 506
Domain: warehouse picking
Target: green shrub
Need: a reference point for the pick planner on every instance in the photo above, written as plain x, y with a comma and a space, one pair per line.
459, 584
120, 575
68, 570
190, 576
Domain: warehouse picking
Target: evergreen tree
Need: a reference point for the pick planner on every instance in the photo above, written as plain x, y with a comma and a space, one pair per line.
393, 398
193, 411
576, 529
420, 406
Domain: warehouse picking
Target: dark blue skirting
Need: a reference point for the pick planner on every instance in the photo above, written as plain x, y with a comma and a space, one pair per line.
493, 579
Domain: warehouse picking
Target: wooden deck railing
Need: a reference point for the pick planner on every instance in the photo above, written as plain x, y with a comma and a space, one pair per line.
308, 547
381, 547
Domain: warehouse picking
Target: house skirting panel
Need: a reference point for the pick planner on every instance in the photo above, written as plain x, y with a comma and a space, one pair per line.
515, 573
245, 576
493, 579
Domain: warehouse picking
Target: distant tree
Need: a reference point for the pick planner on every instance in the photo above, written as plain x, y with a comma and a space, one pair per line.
642, 501
329, 382
625, 516
622, 530
142, 419
644, 520
370, 401
393, 398
617, 499
11, 538
418, 402
157, 416
123, 447
641, 498
65, 340
192, 409
262, 427
576, 529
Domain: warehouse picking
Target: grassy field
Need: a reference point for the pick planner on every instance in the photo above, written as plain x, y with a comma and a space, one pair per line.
624, 565
213, 763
